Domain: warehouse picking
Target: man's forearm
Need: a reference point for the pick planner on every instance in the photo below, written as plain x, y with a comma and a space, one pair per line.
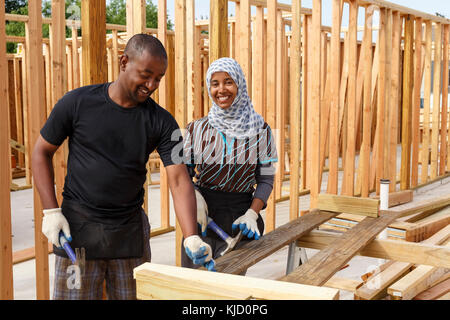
185, 208
43, 174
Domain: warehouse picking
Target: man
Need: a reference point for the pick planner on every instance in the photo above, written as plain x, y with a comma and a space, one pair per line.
112, 129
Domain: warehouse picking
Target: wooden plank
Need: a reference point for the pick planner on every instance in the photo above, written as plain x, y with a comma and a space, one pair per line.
444, 115
35, 78
271, 93
58, 83
164, 102
364, 159
436, 101
306, 26
349, 163
377, 286
218, 29
180, 91
343, 284
135, 17
399, 197
415, 125
394, 109
314, 109
182, 278
321, 267
361, 206
426, 253
295, 110
93, 18
76, 59
426, 229
245, 45
415, 282
381, 101
333, 158
434, 292
239, 260
425, 154
258, 63
6, 265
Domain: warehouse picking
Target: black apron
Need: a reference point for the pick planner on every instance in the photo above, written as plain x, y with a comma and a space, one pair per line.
224, 208
114, 236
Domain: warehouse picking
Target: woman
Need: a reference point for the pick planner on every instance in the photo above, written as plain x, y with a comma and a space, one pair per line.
228, 152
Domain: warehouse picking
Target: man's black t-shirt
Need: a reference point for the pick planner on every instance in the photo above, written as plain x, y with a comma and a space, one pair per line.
109, 146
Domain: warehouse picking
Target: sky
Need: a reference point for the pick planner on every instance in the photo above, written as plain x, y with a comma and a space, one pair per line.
428, 6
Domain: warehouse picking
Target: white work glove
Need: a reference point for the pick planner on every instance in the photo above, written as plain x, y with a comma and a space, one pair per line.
247, 223
199, 251
202, 212
52, 223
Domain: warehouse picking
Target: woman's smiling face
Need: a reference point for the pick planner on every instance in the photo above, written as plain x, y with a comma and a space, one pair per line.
223, 89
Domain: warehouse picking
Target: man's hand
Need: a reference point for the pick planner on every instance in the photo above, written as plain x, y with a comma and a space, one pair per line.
52, 223
247, 223
199, 251
202, 212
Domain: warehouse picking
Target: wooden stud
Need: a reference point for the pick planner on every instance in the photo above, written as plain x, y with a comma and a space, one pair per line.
364, 164
59, 82
258, 62
135, 17
180, 90
394, 99
405, 169
35, 71
245, 45
416, 103
294, 109
315, 102
334, 103
425, 152
218, 32
93, 22
381, 101
6, 266
271, 96
349, 164
436, 101
444, 116
279, 110
75, 57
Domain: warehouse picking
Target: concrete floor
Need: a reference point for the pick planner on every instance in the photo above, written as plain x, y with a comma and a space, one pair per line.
163, 246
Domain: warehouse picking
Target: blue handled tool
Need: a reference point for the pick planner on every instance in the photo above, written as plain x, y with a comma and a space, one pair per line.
231, 242
65, 244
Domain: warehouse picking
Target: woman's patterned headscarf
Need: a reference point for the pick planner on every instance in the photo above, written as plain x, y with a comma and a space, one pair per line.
240, 120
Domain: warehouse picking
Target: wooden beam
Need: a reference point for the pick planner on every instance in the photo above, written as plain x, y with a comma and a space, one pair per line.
135, 17
434, 292
163, 101
171, 282
6, 268
93, 22
415, 113
324, 264
271, 93
180, 91
59, 82
350, 150
377, 285
424, 253
436, 101
218, 32
361, 206
239, 260
443, 157
334, 93
315, 106
37, 115
295, 110
425, 153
